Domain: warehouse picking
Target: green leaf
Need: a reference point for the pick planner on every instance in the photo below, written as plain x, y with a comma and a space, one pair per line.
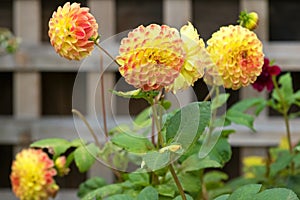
120, 197
276, 194
245, 104
223, 197
240, 118
103, 192
294, 115
166, 104
217, 156
85, 156
194, 163
286, 90
280, 163
155, 160
166, 190
246, 192
90, 185
293, 183
132, 143
56, 146
148, 193
190, 182
77, 143
140, 179
214, 176
188, 123
144, 119
218, 101
188, 197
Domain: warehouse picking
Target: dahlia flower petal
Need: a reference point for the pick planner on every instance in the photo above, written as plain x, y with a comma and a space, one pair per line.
196, 59
73, 25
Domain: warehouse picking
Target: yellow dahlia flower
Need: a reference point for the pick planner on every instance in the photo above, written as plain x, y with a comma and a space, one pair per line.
250, 162
151, 57
32, 175
196, 59
238, 55
72, 30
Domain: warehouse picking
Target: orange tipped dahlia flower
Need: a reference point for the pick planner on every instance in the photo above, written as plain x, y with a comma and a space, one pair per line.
32, 175
151, 57
238, 55
196, 59
72, 31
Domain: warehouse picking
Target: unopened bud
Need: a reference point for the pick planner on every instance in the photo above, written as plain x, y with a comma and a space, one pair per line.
248, 20
172, 148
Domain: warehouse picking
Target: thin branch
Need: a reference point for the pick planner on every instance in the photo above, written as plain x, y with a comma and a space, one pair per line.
208, 96
107, 53
178, 184
103, 97
74, 111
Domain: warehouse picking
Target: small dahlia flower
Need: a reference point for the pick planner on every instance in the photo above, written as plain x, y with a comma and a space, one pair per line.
32, 175
151, 57
265, 78
196, 59
238, 55
72, 31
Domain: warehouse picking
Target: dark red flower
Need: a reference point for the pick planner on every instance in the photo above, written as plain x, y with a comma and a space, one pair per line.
265, 78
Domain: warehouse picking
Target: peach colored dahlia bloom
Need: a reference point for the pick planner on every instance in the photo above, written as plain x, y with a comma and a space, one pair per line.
71, 29
32, 175
238, 55
196, 59
151, 57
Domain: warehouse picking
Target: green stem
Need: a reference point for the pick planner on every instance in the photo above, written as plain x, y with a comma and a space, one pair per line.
106, 52
284, 112
204, 194
177, 182
157, 119
208, 96
286, 120
87, 125
103, 97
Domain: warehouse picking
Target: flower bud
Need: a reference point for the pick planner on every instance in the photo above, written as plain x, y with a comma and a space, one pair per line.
248, 20
60, 164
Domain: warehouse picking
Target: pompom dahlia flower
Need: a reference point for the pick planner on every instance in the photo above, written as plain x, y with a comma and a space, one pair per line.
72, 31
196, 59
238, 55
32, 175
151, 57
265, 78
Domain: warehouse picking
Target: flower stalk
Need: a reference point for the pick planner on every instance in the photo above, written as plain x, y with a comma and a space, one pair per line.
284, 112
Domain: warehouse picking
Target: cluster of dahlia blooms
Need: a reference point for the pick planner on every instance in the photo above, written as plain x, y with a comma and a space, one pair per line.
158, 56
152, 57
